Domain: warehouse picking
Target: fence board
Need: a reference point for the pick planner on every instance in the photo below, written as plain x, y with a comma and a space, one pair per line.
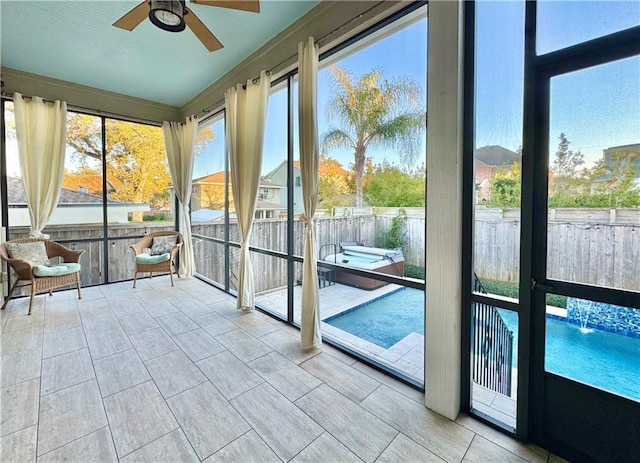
605, 254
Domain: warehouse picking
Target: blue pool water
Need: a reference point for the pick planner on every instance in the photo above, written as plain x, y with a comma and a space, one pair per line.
386, 320
604, 360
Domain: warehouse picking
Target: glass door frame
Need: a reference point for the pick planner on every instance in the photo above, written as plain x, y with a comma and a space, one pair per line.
557, 416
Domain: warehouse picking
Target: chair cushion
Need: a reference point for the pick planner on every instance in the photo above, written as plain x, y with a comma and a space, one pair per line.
35, 252
56, 270
145, 258
162, 244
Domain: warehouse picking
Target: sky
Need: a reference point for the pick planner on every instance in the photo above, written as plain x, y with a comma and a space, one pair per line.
401, 54
596, 108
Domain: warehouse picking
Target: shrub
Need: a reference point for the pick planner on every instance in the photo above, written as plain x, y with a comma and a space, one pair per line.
412, 271
506, 289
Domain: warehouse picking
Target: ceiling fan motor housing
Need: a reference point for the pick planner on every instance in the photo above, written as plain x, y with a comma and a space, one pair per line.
168, 14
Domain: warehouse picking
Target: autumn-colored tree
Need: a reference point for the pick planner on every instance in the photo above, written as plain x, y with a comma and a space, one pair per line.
212, 197
135, 155
334, 188
371, 111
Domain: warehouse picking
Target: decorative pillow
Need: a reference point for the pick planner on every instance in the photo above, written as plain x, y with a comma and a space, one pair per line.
162, 244
35, 252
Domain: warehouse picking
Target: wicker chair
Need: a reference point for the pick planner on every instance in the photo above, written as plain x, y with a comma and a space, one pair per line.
168, 265
24, 271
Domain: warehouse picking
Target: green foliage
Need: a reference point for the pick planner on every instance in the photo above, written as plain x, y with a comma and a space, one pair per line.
369, 111
156, 218
334, 186
390, 186
506, 289
393, 238
506, 188
609, 185
413, 271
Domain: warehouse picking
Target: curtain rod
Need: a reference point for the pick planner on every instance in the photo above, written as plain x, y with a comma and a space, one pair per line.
273, 68
89, 111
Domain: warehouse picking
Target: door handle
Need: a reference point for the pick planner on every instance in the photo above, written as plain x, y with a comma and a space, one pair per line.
545, 288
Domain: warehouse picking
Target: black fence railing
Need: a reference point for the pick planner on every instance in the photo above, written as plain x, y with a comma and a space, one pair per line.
492, 346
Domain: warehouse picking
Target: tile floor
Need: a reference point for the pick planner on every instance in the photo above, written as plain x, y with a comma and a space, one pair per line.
406, 356
178, 374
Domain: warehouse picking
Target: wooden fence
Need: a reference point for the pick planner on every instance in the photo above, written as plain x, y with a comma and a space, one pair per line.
605, 254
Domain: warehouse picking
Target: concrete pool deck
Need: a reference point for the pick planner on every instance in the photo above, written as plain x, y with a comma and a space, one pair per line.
406, 356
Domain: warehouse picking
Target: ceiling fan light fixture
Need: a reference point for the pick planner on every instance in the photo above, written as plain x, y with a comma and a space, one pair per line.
168, 15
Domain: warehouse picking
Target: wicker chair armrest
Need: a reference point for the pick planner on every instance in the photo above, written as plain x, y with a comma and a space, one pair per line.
175, 249
22, 267
57, 250
138, 248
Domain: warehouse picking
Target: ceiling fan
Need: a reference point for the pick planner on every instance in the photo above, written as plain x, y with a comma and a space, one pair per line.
173, 16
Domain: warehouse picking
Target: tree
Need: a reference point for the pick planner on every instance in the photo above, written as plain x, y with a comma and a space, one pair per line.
390, 186
212, 197
616, 184
135, 155
568, 179
506, 188
371, 112
334, 188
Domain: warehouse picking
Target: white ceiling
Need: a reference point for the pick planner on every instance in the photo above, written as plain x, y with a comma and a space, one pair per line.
76, 42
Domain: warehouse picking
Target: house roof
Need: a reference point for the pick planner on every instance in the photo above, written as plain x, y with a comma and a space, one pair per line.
495, 155
217, 178
322, 169
92, 182
267, 206
16, 195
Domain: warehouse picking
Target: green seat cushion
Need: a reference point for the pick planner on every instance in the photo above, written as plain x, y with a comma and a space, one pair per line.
145, 258
56, 270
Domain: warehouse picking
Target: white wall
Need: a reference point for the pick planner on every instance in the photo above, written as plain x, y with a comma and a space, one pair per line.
77, 215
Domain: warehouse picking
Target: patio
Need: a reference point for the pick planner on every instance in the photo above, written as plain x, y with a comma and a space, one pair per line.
406, 356
178, 374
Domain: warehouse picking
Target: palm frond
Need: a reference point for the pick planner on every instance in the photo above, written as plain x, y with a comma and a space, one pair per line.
336, 138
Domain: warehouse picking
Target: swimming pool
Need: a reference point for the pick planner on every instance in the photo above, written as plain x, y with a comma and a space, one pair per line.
385, 320
605, 360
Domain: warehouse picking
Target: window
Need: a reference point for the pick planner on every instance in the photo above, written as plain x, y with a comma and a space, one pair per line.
208, 206
561, 24
499, 95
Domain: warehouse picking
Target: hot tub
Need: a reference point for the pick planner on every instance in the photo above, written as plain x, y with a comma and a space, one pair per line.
387, 261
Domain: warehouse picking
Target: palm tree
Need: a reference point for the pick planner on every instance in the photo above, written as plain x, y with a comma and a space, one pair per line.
369, 112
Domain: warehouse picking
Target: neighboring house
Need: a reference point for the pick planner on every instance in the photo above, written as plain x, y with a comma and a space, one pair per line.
208, 193
74, 207
616, 155
278, 177
489, 160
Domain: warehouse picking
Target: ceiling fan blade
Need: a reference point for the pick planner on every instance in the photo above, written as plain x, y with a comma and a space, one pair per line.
204, 35
134, 17
244, 5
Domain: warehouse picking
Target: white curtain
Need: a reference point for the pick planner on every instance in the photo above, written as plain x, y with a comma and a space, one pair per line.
310, 335
179, 141
246, 111
41, 129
